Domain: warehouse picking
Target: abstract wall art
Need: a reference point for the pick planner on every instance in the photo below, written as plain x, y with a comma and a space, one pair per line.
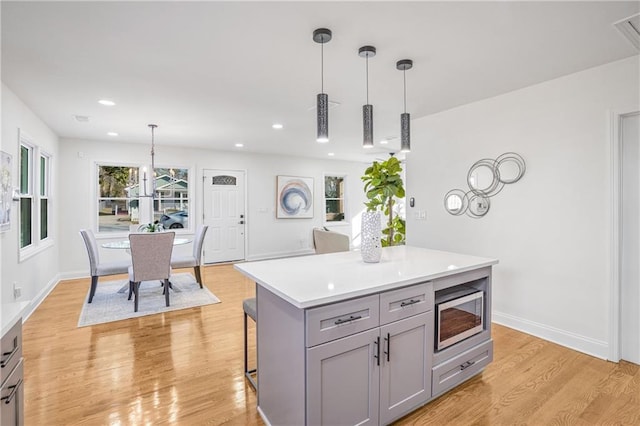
5, 191
295, 197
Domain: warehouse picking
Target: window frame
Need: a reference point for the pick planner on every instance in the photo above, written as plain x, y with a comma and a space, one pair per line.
344, 198
190, 197
96, 196
34, 195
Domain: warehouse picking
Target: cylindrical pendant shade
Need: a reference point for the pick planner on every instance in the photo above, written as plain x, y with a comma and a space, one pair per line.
323, 117
367, 125
405, 132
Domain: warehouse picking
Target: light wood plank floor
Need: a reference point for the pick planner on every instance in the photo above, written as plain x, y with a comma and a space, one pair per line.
186, 368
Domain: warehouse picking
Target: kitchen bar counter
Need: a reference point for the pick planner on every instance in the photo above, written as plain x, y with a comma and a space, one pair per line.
341, 341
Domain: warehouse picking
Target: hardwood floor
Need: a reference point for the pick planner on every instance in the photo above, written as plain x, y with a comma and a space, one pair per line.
186, 367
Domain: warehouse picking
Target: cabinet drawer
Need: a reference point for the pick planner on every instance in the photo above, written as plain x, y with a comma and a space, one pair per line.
10, 350
12, 394
342, 319
405, 302
457, 370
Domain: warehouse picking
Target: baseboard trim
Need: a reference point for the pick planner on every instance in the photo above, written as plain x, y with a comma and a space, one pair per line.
587, 345
281, 254
36, 301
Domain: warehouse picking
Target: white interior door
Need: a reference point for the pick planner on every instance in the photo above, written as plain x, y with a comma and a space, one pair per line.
630, 240
224, 213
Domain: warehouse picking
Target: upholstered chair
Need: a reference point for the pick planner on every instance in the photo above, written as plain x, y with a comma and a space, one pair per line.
97, 268
325, 241
151, 260
193, 261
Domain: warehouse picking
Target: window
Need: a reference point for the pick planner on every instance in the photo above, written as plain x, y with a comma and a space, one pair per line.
35, 197
171, 205
118, 202
334, 198
44, 196
26, 194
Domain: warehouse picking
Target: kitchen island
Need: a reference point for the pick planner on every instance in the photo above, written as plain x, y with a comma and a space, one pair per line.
341, 341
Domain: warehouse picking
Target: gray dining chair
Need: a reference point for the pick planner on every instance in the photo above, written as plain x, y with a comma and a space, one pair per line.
97, 268
150, 260
195, 259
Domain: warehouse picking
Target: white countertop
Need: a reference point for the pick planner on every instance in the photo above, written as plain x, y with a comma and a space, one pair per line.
11, 313
309, 281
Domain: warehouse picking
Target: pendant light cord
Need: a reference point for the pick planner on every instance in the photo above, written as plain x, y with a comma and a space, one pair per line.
404, 78
367, 62
322, 67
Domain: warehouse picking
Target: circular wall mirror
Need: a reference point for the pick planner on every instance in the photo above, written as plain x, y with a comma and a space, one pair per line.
456, 202
478, 205
483, 178
511, 167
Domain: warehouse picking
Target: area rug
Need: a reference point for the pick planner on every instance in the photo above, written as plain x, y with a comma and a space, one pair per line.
110, 301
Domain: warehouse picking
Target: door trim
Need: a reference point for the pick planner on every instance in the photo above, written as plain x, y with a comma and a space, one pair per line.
615, 120
244, 202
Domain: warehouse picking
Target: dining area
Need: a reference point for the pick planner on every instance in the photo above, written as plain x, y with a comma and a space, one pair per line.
148, 265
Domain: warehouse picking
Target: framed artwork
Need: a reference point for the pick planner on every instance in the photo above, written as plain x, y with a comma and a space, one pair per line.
295, 197
5, 191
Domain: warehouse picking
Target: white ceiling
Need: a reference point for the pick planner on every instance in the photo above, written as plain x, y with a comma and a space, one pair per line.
212, 74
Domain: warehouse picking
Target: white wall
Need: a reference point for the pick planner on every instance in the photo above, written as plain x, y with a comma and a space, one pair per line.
37, 274
551, 230
267, 236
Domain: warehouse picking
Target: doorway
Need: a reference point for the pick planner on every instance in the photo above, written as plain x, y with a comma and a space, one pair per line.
630, 237
224, 213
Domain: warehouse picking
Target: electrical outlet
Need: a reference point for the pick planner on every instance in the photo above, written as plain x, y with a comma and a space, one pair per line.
17, 291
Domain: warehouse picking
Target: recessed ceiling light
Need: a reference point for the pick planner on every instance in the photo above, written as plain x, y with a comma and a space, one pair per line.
112, 134
331, 154
277, 126
239, 145
106, 102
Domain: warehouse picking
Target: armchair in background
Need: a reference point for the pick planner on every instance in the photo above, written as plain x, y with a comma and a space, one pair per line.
325, 241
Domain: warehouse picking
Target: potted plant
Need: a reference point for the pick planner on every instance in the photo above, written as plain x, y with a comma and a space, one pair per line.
383, 185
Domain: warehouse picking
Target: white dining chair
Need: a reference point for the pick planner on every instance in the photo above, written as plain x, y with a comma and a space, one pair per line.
150, 260
97, 268
195, 259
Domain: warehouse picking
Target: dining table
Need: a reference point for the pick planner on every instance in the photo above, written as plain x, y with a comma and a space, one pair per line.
124, 244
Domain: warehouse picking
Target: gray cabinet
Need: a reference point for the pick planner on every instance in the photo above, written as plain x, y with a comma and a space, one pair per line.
11, 375
405, 376
332, 400
376, 376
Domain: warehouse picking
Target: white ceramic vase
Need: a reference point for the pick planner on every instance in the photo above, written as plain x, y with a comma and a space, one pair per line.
371, 233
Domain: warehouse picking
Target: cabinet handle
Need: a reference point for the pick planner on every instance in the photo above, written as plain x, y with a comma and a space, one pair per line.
409, 303
351, 318
377, 355
466, 365
388, 351
5, 361
7, 399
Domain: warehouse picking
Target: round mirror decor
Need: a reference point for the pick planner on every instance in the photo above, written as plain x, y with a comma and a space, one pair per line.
486, 178
456, 202
510, 167
478, 205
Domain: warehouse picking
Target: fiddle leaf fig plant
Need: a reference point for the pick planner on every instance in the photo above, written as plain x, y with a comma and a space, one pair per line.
383, 185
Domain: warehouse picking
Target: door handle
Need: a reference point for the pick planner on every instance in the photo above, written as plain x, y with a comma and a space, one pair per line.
377, 355
388, 351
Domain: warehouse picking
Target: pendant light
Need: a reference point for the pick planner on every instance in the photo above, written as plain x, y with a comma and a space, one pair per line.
405, 129
322, 36
367, 110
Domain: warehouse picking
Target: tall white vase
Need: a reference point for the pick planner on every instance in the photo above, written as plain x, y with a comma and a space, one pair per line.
371, 234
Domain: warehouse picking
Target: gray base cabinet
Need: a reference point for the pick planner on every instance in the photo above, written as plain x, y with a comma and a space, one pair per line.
389, 371
11, 375
330, 399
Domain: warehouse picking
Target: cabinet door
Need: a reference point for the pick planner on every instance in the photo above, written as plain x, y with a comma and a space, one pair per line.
343, 381
405, 375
